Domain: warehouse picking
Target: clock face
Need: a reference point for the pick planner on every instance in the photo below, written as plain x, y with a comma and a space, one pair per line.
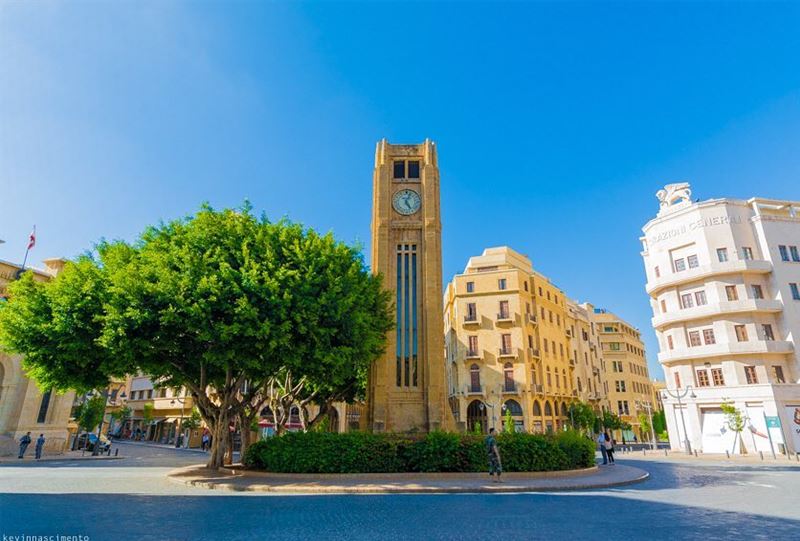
406, 202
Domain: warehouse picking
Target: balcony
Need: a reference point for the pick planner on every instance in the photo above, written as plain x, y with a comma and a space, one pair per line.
505, 317
530, 319
574, 392
533, 353
472, 319
713, 310
507, 353
509, 389
537, 388
474, 389
568, 332
474, 355
752, 266
749, 347
572, 363
595, 371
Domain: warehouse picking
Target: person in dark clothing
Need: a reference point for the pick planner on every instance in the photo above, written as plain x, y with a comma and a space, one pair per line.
23, 444
609, 448
493, 452
39, 446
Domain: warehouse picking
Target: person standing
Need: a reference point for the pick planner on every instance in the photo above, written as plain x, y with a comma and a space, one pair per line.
23, 444
204, 440
495, 467
609, 445
601, 443
39, 446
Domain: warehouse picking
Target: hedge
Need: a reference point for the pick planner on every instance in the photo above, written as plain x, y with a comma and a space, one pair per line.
362, 452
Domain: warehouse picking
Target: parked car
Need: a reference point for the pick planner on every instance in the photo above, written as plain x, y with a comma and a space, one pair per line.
105, 443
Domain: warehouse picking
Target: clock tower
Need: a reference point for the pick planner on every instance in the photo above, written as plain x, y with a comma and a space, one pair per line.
407, 386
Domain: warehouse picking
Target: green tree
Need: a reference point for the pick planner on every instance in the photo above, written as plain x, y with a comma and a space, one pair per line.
90, 413
736, 422
659, 422
121, 415
208, 303
644, 426
508, 422
582, 416
194, 420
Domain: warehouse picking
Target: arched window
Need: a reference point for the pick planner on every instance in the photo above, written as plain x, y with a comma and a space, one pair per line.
476, 416
475, 378
514, 407
508, 378
548, 410
564, 411
537, 409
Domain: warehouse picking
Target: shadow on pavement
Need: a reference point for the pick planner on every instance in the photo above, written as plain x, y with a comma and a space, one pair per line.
463, 517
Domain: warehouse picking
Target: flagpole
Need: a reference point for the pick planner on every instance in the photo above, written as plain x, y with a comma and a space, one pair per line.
31, 240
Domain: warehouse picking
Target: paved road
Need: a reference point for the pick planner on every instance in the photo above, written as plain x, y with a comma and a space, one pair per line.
131, 499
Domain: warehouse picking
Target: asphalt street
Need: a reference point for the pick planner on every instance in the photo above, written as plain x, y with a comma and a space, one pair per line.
132, 499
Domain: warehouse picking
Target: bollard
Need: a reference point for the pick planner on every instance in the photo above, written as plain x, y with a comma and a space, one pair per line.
695, 453
761, 454
727, 453
665, 452
644, 452
116, 453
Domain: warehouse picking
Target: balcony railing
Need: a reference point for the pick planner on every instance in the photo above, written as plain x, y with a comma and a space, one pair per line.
569, 333
504, 316
572, 362
537, 388
474, 389
533, 352
530, 318
510, 388
473, 354
471, 319
507, 352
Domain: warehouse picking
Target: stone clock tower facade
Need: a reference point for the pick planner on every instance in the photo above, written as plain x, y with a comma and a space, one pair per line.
407, 386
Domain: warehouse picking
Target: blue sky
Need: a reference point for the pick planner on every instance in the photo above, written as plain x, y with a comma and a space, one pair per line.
556, 122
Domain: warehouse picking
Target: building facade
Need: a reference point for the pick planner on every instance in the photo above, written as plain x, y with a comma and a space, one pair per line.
407, 390
23, 406
723, 278
511, 342
629, 389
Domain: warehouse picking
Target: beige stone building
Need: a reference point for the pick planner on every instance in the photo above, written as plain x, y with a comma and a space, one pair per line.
23, 406
630, 390
508, 345
586, 356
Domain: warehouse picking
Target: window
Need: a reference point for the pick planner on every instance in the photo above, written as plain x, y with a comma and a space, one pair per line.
702, 378
680, 265
44, 405
506, 342
619, 385
692, 261
747, 253
501, 283
526, 285
400, 169
767, 328
677, 380
777, 374
663, 306
741, 333
795, 254
473, 346
508, 378
784, 252
472, 312
722, 254
470, 287
550, 314
686, 300
708, 336
475, 379
670, 343
622, 407
546, 346
730, 291
613, 346
413, 169
540, 291
694, 338
530, 341
504, 313
717, 377
757, 292
657, 272
558, 320
795, 292
150, 394
700, 298
750, 375
549, 378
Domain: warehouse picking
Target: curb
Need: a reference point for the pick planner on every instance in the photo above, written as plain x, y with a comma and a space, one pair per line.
377, 488
57, 459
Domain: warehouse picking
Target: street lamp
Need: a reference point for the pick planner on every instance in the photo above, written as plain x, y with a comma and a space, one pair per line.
483, 404
678, 396
649, 408
178, 434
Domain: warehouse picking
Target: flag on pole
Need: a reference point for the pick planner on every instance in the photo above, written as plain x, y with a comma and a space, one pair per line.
32, 238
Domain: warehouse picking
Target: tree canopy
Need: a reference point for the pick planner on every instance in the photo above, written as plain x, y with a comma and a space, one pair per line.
217, 302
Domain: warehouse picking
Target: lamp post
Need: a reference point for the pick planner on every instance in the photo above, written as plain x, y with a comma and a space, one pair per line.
484, 404
649, 408
678, 396
178, 435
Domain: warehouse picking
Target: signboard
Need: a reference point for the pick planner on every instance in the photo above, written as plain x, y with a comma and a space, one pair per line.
773, 422
793, 414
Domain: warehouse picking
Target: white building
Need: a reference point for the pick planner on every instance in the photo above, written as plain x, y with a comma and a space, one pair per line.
723, 277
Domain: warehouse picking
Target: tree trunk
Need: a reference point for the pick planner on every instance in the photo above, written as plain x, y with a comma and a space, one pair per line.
219, 439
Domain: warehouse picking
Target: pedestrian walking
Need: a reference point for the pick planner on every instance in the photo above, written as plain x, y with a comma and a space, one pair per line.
601, 443
39, 446
495, 467
23, 444
204, 441
609, 445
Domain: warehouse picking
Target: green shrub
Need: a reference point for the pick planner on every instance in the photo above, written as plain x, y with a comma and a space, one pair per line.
361, 452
